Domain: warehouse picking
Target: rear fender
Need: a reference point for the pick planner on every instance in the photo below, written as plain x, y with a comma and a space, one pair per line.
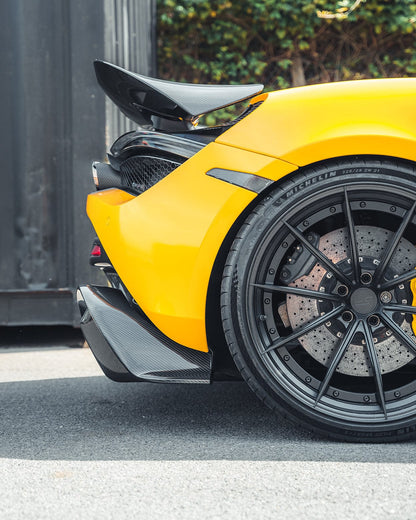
164, 243
309, 124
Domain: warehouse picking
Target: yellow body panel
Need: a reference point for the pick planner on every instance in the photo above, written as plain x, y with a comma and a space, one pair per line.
308, 124
163, 243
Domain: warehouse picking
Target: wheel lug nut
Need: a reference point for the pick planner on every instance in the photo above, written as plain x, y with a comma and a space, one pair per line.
366, 278
386, 297
342, 290
374, 320
347, 316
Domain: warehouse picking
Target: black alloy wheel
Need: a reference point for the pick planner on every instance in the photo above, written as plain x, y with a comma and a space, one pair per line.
317, 300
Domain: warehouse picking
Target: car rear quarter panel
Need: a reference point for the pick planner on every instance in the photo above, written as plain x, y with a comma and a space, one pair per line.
164, 242
308, 124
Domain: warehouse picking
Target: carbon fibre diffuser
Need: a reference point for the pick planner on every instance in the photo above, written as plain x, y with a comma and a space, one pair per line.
129, 347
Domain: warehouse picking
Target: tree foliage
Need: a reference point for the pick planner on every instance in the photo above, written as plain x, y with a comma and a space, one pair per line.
250, 40
284, 43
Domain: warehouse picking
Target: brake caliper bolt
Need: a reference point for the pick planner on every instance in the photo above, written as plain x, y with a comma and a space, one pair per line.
386, 297
366, 398
308, 379
262, 317
285, 274
397, 393
366, 278
310, 237
272, 331
286, 357
335, 393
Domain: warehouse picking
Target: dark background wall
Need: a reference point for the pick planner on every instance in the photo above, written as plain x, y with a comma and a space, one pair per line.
54, 123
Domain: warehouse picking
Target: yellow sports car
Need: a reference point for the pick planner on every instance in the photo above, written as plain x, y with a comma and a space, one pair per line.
278, 247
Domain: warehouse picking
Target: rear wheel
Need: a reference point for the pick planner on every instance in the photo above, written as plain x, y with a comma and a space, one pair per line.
317, 301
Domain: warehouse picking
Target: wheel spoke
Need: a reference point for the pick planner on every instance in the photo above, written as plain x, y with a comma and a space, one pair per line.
391, 247
396, 307
318, 255
369, 341
305, 329
297, 290
353, 238
399, 333
338, 355
405, 277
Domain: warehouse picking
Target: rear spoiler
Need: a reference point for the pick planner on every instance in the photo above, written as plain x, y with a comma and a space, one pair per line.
166, 105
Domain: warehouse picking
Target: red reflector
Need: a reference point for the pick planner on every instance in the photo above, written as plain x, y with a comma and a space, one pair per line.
96, 250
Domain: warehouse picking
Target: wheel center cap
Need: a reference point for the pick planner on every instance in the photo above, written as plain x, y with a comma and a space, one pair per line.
363, 300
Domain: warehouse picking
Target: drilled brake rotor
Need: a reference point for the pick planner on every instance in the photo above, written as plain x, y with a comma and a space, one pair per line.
321, 342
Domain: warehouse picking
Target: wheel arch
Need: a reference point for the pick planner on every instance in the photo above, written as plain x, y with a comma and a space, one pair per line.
348, 141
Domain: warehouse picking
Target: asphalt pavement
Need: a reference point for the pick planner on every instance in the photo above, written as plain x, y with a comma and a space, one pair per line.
74, 444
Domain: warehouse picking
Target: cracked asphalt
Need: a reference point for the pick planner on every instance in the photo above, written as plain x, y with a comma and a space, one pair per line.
74, 444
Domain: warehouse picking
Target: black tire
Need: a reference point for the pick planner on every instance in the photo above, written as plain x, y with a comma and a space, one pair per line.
340, 360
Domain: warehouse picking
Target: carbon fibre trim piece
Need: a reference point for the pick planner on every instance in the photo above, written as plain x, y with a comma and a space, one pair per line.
142, 141
248, 181
128, 340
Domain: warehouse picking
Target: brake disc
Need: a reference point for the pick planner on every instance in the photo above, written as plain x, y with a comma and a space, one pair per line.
321, 342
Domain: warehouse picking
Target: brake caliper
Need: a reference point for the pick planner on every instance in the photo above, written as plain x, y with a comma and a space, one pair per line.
413, 289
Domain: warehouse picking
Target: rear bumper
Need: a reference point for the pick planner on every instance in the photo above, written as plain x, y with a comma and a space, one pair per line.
163, 243
128, 347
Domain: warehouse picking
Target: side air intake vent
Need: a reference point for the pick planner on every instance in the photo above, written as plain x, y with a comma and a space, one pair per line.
141, 172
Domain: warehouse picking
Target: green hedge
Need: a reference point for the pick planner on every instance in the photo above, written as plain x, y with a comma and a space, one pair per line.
285, 43
250, 40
